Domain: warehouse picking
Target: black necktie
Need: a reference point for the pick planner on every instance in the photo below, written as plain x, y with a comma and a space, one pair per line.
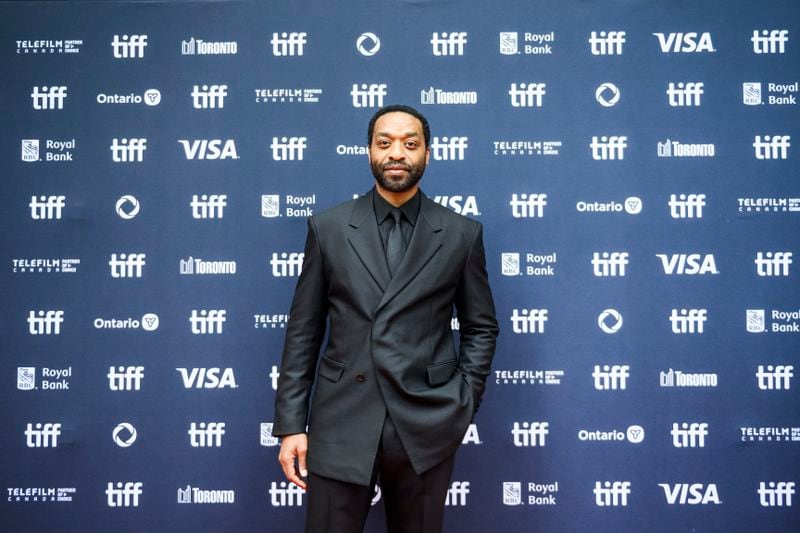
395, 244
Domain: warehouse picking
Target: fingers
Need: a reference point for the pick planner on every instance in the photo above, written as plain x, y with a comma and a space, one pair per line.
290, 448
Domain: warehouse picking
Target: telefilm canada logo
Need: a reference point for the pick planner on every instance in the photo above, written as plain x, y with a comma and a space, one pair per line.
526, 147
282, 95
270, 321
768, 205
49, 46
45, 265
528, 377
40, 494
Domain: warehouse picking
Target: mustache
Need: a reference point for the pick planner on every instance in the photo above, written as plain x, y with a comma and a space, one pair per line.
396, 165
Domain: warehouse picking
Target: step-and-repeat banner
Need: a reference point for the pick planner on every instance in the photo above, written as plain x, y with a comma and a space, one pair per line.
633, 164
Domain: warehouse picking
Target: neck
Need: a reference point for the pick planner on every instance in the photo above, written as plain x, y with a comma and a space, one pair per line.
396, 198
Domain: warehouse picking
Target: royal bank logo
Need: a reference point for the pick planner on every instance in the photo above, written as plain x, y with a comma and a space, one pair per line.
769, 41
535, 43
205, 206
49, 98
285, 494
509, 43
368, 44
296, 206
772, 146
539, 494
128, 46
781, 321
49, 265
123, 494
607, 94
448, 44
670, 148
678, 378
609, 321
432, 96
40, 494
270, 321
49, 46
780, 94
52, 378
282, 95
202, 48
535, 264
606, 43
288, 43
768, 205
528, 377
527, 148
611, 493
770, 434
680, 42
55, 151
151, 97
124, 435
755, 321
195, 495
267, 439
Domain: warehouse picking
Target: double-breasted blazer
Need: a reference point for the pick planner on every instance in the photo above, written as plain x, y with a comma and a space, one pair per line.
390, 345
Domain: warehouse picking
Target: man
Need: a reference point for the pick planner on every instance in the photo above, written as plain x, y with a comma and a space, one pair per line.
392, 400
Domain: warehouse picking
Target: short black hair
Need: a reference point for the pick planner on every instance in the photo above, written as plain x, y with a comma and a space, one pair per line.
426, 129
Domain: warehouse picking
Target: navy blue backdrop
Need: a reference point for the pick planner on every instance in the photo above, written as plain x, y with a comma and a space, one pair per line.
633, 164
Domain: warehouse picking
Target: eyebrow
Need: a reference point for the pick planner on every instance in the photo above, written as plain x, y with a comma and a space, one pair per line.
386, 134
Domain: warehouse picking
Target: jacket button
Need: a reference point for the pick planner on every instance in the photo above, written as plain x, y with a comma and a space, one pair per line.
361, 378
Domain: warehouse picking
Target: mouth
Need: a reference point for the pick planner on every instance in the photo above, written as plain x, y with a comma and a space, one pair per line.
395, 171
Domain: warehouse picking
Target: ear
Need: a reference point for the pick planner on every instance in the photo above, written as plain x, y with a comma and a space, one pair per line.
427, 155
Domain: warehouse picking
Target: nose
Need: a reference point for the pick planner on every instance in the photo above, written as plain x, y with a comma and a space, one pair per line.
396, 151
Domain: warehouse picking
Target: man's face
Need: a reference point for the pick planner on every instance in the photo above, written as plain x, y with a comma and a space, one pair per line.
397, 154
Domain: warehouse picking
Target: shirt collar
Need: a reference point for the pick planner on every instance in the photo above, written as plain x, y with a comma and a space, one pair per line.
382, 208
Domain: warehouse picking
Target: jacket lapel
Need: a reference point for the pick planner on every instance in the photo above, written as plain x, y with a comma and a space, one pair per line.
425, 242
366, 241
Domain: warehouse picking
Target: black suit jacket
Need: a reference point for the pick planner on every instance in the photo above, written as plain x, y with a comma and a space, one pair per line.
390, 343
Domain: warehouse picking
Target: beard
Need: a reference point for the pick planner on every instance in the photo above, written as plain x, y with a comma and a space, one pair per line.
400, 183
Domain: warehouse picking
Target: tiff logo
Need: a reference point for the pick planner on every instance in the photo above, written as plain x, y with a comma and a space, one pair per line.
125, 378
608, 147
448, 148
209, 96
129, 47
606, 43
287, 264
208, 205
46, 207
288, 148
686, 205
770, 41
772, 147
127, 150
611, 494
684, 94
611, 377
528, 320
528, 205
451, 44
288, 44
773, 263
530, 433
45, 322
273, 377
775, 494
687, 435
778, 377
127, 265
207, 322
285, 494
457, 493
369, 95
42, 435
609, 263
49, 97
125, 494
204, 435
527, 94
688, 321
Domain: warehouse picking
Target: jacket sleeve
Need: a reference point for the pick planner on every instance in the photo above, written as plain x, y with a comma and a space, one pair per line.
478, 327
304, 334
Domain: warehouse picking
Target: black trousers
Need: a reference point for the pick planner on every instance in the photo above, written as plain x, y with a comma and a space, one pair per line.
414, 503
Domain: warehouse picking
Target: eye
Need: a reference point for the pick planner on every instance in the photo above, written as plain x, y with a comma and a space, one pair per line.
383, 143
411, 144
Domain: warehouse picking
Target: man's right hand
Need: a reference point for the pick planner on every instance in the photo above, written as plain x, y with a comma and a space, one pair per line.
294, 446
